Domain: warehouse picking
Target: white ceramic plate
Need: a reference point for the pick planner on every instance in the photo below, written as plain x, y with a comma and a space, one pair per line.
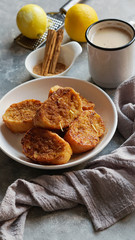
38, 89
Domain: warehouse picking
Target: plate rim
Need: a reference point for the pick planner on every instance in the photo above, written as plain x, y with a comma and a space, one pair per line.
69, 164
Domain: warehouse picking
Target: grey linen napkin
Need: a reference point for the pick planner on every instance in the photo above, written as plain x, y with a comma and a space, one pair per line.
106, 187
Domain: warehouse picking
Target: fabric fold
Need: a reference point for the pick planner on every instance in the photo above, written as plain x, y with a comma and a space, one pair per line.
125, 104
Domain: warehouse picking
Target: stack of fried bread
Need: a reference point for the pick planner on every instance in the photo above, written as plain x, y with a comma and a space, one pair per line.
65, 124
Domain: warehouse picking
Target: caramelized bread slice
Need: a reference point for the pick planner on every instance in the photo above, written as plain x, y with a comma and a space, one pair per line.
86, 105
45, 147
19, 116
59, 110
84, 132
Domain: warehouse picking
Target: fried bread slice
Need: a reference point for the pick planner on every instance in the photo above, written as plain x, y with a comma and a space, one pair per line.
19, 116
83, 134
86, 105
45, 147
59, 110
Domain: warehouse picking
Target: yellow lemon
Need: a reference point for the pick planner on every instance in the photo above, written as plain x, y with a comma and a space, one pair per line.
78, 19
32, 21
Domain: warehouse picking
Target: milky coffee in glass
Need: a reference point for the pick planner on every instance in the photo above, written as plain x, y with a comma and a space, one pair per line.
110, 45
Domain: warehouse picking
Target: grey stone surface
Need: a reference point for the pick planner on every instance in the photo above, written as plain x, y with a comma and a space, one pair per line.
74, 223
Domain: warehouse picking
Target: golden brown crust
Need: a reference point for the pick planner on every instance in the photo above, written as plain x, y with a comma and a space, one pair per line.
53, 89
19, 116
59, 110
84, 132
45, 147
87, 105
97, 123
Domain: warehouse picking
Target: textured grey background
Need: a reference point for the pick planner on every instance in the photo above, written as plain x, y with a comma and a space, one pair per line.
74, 223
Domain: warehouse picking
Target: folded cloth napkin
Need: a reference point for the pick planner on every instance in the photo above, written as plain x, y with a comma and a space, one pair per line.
106, 187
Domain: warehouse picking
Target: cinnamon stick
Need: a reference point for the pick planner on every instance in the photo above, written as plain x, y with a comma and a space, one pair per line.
56, 52
49, 49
